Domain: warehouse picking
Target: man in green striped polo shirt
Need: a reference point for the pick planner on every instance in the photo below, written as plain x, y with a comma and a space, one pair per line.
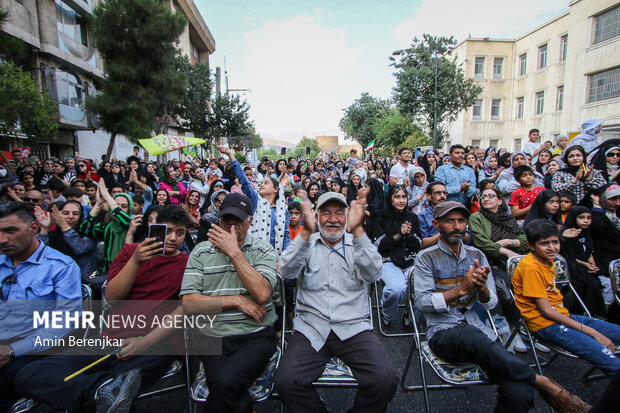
238, 272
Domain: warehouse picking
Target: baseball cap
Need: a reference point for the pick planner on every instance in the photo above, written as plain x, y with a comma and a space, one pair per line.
449, 206
236, 204
331, 196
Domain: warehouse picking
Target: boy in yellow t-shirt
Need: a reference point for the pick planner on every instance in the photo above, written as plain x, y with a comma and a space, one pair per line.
541, 303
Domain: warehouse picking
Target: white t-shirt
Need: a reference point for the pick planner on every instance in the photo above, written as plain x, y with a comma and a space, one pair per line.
399, 172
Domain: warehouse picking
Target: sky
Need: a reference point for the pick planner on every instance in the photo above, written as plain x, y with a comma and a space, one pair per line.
305, 61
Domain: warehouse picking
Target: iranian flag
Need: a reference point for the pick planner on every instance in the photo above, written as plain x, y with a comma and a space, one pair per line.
370, 146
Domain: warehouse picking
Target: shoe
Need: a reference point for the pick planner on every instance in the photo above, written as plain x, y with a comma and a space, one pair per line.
385, 321
541, 347
405, 319
116, 396
564, 402
518, 344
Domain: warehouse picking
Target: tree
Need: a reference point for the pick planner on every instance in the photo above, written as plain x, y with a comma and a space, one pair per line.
300, 150
394, 128
414, 93
358, 120
23, 109
136, 40
192, 110
231, 119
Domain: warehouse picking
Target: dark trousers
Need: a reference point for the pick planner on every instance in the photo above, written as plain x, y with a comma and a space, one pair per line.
44, 378
301, 364
8, 395
514, 377
243, 359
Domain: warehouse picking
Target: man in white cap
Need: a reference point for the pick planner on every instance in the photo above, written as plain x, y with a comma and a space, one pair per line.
588, 138
332, 314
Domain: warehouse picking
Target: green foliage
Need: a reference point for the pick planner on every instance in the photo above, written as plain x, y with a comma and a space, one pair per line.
136, 40
23, 109
11, 48
414, 92
231, 119
240, 156
359, 118
192, 110
270, 153
394, 128
300, 150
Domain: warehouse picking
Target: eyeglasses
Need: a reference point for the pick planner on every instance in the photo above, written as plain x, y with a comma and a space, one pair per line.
219, 199
614, 154
28, 199
488, 196
82, 166
9, 279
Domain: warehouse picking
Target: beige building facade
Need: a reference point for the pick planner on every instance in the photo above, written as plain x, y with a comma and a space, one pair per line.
329, 144
65, 64
552, 78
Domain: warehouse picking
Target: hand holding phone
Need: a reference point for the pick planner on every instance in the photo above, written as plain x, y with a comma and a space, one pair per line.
159, 232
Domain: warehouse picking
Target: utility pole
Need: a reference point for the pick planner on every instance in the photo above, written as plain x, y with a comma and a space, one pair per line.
435, 143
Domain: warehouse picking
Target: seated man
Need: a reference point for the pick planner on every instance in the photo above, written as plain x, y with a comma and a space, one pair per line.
238, 272
541, 303
450, 278
144, 271
28, 271
332, 311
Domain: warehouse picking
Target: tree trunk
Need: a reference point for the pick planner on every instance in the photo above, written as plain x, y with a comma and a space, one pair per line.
111, 145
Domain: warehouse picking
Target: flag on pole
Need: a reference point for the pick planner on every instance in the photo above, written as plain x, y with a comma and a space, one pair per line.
370, 146
161, 144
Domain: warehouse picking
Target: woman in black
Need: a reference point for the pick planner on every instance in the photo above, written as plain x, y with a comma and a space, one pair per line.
397, 233
545, 206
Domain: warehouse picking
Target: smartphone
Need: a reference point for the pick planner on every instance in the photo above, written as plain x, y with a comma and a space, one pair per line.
159, 231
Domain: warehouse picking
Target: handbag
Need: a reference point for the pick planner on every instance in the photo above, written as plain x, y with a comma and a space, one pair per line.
95, 280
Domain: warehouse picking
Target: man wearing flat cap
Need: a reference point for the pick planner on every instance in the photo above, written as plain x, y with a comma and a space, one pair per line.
450, 278
238, 272
332, 315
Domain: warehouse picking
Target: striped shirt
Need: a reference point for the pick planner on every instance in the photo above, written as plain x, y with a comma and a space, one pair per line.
210, 272
437, 269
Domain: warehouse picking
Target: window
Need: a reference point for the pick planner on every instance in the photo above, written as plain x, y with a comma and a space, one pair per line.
523, 64
520, 107
477, 110
563, 47
604, 85
70, 90
559, 100
70, 23
542, 56
479, 68
607, 25
517, 145
540, 103
195, 53
493, 143
498, 64
495, 109
475, 142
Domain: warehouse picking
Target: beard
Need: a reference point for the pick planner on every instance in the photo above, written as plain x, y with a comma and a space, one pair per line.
452, 237
331, 237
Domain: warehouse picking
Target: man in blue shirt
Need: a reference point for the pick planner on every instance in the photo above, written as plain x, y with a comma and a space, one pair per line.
460, 180
435, 194
29, 270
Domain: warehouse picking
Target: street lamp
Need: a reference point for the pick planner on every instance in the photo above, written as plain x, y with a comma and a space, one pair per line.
435, 143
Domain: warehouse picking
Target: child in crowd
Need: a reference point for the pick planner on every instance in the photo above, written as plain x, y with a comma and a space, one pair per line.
522, 199
568, 200
294, 226
541, 303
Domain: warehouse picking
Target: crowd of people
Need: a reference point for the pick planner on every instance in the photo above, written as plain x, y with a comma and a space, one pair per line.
329, 228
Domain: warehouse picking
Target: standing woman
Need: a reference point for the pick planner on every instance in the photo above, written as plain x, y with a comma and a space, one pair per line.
59, 230
429, 164
114, 178
472, 162
396, 230
380, 171
417, 190
313, 191
191, 205
542, 165
607, 160
575, 177
355, 183
198, 184
271, 216
114, 232
172, 184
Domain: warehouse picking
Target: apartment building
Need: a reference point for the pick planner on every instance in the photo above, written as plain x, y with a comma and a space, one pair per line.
552, 78
65, 64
